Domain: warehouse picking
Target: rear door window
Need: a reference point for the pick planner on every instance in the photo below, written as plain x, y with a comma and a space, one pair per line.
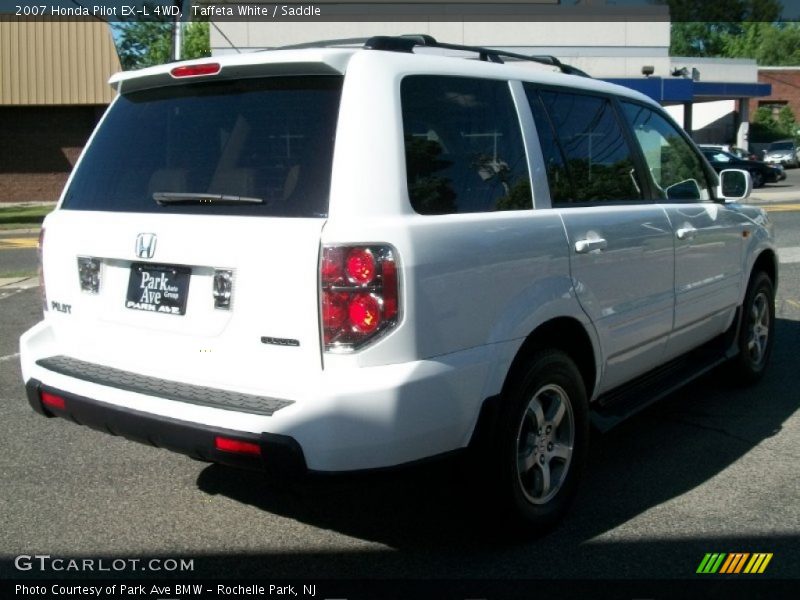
587, 155
244, 147
463, 146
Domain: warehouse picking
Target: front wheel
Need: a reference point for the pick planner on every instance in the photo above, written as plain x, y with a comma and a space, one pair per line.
542, 442
756, 330
758, 179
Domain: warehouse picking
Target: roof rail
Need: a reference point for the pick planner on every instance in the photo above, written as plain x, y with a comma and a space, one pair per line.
322, 44
407, 43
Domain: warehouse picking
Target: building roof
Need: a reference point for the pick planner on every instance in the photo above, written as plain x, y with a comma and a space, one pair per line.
676, 90
56, 62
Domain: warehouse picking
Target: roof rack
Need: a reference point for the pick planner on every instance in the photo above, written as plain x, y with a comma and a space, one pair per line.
407, 43
323, 44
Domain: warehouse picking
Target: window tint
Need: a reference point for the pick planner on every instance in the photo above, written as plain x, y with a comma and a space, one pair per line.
463, 146
269, 139
588, 158
674, 165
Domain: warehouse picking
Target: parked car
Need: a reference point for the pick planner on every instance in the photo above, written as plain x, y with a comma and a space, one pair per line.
735, 150
784, 152
760, 172
344, 259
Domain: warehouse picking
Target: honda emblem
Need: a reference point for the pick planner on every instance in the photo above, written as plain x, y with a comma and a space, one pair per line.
145, 245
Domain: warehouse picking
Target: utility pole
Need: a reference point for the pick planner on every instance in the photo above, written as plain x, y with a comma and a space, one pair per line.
177, 31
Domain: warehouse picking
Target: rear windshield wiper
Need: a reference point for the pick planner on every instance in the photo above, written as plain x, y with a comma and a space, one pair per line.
194, 198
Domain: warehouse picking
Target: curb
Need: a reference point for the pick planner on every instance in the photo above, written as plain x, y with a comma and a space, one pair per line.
20, 283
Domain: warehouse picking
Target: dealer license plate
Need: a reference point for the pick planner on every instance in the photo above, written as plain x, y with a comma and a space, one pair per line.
158, 288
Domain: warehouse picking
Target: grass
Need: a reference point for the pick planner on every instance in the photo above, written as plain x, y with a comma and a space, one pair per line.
15, 274
23, 217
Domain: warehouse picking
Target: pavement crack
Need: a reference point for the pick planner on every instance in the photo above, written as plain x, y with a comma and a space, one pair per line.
720, 430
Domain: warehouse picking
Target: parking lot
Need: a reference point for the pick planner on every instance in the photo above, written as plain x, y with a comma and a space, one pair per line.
711, 469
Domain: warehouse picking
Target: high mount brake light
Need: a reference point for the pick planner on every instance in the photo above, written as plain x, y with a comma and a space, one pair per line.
196, 70
358, 294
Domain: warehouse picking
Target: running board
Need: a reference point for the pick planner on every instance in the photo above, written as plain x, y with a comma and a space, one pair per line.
614, 406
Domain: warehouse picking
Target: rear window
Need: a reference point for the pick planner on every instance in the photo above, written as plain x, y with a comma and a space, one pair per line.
245, 147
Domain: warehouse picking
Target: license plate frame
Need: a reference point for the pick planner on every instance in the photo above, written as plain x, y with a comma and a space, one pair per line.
157, 288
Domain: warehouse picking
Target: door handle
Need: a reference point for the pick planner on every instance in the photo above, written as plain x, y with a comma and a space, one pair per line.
584, 246
685, 233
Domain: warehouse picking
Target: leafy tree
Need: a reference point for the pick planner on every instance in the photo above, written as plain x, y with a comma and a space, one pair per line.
147, 43
706, 28
765, 127
768, 43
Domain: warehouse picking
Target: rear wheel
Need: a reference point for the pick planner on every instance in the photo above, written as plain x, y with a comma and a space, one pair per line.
756, 331
758, 179
542, 442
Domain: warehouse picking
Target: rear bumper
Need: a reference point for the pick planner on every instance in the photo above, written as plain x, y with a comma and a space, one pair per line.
279, 454
345, 419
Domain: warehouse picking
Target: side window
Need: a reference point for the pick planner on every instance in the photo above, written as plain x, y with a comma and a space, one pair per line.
674, 165
463, 146
587, 156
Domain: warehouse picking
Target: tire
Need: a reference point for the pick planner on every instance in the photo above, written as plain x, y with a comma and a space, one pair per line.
541, 443
756, 330
758, 179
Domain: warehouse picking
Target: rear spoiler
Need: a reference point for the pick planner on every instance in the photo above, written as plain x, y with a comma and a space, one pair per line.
312, 63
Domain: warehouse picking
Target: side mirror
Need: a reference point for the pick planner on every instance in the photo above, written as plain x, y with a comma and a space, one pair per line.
734, 185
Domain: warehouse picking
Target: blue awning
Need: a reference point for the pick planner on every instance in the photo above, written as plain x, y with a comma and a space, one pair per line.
686, 90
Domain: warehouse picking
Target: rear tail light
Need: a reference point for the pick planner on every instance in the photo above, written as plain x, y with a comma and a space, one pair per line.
53, 401
358, 295
225, 444
40, 269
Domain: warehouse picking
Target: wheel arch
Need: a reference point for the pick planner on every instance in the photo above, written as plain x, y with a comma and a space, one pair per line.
566, 334
767, 261
562, 333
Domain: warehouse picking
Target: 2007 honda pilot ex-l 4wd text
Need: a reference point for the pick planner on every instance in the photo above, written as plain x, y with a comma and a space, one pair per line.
333, 259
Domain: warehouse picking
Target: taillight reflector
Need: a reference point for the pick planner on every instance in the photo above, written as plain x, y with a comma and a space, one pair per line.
53, 401
196, 70
237, 446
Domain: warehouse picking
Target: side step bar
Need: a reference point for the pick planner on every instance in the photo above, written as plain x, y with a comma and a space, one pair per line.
616, 405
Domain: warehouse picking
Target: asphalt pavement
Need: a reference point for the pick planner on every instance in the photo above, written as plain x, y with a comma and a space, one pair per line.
713, 468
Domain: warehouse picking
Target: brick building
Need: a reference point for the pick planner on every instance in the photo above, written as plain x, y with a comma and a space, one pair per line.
785, 82
53, 90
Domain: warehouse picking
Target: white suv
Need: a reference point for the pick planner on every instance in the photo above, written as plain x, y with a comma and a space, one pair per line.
338, 259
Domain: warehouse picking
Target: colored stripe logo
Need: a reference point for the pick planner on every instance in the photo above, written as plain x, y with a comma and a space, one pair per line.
734, 563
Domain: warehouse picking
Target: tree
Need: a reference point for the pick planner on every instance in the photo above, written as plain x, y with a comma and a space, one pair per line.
768, 43
147, 43
767, 128
704, 28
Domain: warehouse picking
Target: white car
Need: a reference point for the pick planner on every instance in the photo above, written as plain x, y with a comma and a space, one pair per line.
785, 153
340, 259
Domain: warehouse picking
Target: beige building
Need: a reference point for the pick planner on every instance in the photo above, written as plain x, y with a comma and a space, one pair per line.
53, 90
